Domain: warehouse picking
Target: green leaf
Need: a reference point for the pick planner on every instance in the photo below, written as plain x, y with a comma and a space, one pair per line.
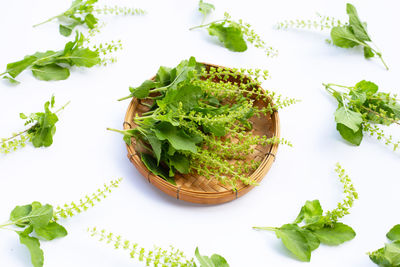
46, 58
231, 36
51, 231
368, 53
349, 118
378, 257
359, 28
163, 76
368, 87
40, 215
44, 131
151, 164
312, 241
66, 30
205, 8
52, 72
180, 162
33, 245
295, 241
309, 210
155, 145
354, 138
15, 68
343, 37
90, 20
20, 212
11, 79
215, 260
84, 57
392, 253
335, 235
394, 233
186, 96
143, 90
176, 137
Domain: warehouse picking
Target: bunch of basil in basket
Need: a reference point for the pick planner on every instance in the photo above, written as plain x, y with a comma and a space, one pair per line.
199, 121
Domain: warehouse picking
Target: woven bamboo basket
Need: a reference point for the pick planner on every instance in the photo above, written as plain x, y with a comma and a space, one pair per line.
198, 189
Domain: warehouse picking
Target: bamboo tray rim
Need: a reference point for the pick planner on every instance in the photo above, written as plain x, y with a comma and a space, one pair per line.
157, 181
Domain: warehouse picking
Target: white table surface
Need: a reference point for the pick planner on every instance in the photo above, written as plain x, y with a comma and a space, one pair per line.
84, 155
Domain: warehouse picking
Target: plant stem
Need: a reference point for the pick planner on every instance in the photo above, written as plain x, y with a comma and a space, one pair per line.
204, 25
50, 19
6, 224
118, 131
63, 107
126, 97
20, 133
265, 228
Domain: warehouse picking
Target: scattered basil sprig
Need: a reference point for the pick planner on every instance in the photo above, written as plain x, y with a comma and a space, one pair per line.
158, 256
54, 65
205, 8
361, 108
235, 35
35, 222
81, 12
317, 228
346, 35
389, 255
40, 133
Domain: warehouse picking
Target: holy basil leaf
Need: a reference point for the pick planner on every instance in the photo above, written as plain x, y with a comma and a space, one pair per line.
349, 118
163, 76
20, 212
186, 97
151, 165
295, 241
392, 253
343, 36
85, 57
367, 87
394, 233
180, 162
66, 30
155, 145
359, 28
368, 53
231, 36
40, 215
51, 231
52, 72
143, 90
33, 245
90, 21
349, 135
335, 235
215, 260
15, 68
309, 210
176, 137
44, 131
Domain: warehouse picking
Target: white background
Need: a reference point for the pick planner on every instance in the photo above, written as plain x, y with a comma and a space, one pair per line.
84, 155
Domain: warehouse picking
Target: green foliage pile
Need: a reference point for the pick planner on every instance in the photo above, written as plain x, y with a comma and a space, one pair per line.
389, 255
317, 227
361, 108
35, 222
40, 133
346, 35
199, 120
158, 256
